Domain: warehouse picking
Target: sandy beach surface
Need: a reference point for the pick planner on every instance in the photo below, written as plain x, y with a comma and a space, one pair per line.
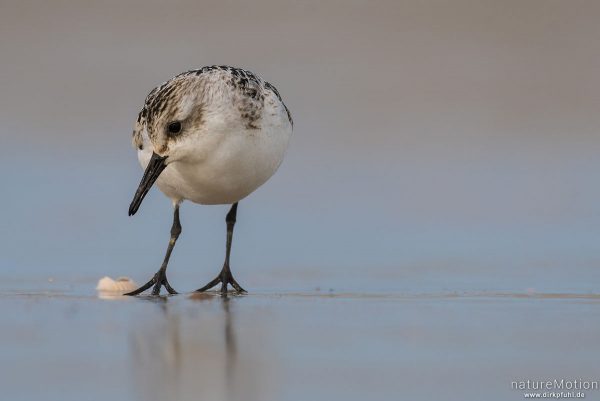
60, 340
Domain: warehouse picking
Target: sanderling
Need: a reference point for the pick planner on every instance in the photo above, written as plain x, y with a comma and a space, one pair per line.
211, 136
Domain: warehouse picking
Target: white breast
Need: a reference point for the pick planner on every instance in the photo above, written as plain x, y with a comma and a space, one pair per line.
235, 162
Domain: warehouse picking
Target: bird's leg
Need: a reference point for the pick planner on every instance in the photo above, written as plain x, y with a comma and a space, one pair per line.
160, 278
225, 277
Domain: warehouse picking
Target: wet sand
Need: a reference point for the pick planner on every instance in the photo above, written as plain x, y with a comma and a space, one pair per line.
60, 340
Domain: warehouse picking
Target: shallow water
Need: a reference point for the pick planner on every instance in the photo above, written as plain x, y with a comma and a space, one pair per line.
61, 341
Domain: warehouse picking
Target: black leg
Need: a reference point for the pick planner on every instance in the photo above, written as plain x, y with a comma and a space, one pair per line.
225, 277
160, 278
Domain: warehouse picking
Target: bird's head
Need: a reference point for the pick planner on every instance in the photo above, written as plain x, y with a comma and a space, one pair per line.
171, 123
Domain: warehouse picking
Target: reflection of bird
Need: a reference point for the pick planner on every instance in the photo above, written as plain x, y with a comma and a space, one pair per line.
211, 136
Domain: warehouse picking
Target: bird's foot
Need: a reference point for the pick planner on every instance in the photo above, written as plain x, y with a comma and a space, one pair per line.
159, 279
225, 277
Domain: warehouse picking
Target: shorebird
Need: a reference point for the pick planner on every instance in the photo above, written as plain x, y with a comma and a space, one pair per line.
211, 136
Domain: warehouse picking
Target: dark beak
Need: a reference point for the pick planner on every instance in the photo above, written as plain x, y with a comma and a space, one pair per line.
155, 167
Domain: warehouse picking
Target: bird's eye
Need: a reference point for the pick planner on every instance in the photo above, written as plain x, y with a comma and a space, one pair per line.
174, 127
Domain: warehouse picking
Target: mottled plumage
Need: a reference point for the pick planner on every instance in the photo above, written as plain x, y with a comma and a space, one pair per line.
249, 95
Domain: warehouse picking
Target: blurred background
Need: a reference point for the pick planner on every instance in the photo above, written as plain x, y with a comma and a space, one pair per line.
432, 233
438, 145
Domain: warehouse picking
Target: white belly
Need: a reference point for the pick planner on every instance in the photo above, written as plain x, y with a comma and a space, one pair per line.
232, 170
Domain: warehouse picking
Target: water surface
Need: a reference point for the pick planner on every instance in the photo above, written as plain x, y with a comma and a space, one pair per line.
61, 341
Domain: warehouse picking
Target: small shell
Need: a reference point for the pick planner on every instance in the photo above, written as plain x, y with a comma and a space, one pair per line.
120, 285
